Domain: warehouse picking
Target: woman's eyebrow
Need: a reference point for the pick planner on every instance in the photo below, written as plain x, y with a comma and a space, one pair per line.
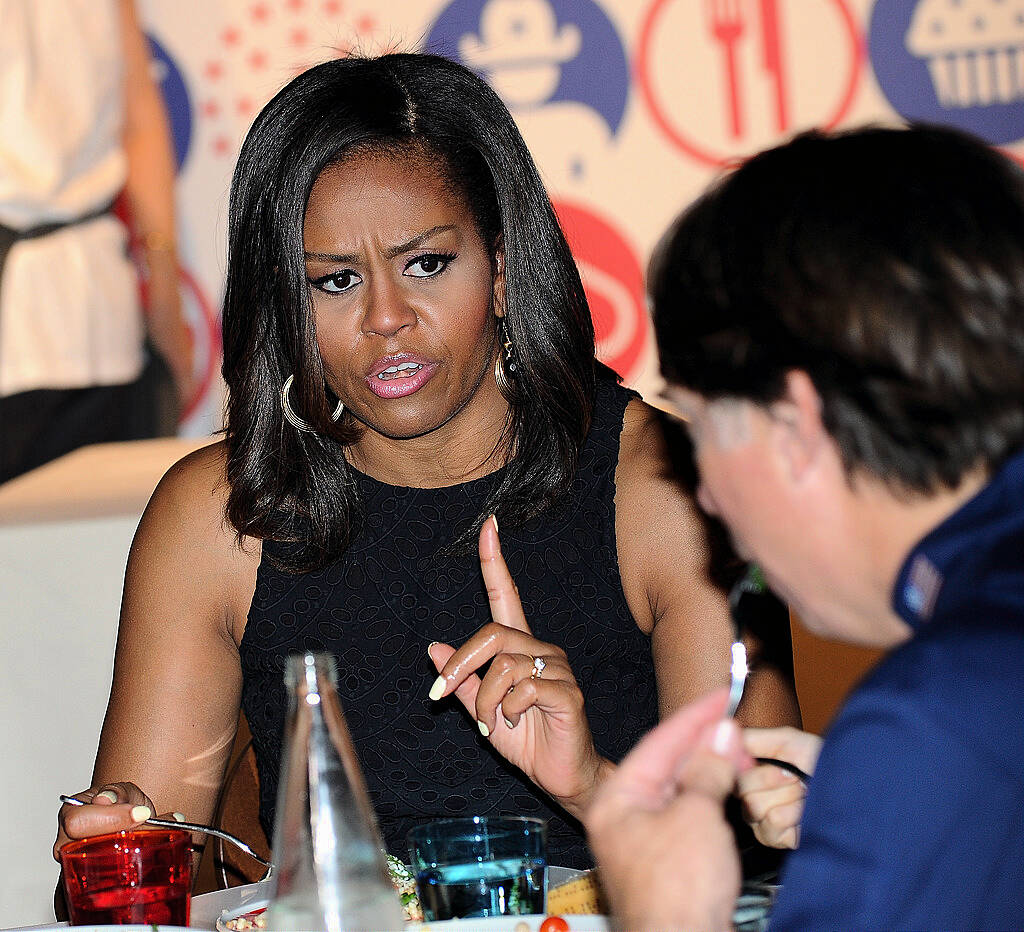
418, 240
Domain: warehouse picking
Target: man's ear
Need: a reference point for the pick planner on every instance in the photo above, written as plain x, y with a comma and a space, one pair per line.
800, 431
499, 278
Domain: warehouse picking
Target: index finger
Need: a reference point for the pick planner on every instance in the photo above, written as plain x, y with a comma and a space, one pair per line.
656, 761
502, 594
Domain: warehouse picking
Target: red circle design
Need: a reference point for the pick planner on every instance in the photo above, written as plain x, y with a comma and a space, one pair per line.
691, 148
211, 322
596, 242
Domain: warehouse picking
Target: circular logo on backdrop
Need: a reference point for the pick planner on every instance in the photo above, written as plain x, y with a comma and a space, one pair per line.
613, 281
722, 78
169, 79
959, 62
538, 52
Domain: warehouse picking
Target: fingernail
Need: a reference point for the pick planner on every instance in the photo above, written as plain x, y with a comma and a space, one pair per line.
437, 689
111, 795
141, 813
507, 722
178, 816
494, 518
484, 730
725, 734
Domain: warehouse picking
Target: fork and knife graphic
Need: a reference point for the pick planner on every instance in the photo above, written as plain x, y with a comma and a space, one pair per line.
728, 21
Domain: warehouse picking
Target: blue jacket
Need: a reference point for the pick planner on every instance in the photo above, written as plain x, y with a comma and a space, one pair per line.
915, 816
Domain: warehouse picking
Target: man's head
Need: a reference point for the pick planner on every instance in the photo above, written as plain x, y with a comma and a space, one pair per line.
860, 295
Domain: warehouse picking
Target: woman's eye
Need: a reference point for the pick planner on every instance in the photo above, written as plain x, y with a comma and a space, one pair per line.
429, 265
337, 282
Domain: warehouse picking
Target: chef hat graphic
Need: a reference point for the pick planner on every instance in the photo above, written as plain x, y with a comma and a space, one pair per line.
536, 52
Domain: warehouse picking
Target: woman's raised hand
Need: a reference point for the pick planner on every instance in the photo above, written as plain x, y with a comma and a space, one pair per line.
773, 799
530, 711
109, 808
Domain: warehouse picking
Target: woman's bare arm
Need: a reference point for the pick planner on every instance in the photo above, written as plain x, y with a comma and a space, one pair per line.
177, 680
663, 557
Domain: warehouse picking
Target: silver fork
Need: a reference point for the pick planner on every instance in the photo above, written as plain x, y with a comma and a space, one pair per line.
753, 582
750, 581
197, 827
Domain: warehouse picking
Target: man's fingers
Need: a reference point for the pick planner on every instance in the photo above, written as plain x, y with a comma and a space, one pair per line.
712, 767
786, 743
502, 594
764, 778
660, 754
781, 826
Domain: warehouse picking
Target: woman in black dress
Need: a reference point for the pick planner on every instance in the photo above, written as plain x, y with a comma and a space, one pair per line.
408, 350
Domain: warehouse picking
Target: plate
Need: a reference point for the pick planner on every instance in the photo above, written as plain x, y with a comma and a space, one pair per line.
207, 908
577, 923
751, 911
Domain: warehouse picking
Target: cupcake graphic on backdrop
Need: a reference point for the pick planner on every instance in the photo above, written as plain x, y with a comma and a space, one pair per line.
974, 50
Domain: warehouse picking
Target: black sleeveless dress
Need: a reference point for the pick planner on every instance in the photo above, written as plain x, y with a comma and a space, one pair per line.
390, 595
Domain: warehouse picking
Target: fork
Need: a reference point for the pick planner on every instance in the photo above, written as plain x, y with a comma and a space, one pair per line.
727, 25
751, 582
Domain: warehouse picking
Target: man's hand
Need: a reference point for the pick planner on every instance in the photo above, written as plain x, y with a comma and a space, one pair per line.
773, 799
657, 826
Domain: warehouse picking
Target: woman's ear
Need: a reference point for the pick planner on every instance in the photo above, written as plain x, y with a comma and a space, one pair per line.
800, 431
499, 278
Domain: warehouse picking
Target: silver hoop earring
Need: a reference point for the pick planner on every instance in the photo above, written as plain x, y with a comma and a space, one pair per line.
289, 413
505, 366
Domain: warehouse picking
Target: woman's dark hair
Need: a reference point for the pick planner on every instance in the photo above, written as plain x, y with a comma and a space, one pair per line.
887, 264
294, 486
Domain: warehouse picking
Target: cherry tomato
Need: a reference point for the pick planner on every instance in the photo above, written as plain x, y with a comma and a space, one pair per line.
554, 924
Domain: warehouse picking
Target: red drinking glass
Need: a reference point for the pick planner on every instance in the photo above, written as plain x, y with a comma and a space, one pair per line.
140, 876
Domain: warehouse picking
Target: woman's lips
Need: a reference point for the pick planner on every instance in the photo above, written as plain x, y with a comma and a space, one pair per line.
400, 378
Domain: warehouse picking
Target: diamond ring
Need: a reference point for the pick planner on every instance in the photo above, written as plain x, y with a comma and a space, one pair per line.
538, 667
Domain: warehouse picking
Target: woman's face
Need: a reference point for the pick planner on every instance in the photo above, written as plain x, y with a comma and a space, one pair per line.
404, 296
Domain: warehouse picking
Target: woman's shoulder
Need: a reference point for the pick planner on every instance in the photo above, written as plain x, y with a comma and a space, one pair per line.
643, 448
197, 482
191, 499
185, 535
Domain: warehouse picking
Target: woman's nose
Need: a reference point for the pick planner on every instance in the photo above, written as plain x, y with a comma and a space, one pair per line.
387, 309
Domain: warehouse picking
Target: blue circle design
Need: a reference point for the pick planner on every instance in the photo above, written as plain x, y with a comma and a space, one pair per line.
598, 77
907, 83
177, 101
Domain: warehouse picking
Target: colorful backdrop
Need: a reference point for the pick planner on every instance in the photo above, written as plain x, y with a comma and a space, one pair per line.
630, 106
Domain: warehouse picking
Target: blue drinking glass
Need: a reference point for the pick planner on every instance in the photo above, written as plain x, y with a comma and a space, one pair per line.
480, 866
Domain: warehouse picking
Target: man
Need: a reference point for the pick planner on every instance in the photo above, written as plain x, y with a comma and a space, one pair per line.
841, 323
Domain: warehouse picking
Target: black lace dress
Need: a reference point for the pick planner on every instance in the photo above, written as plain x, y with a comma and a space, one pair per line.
380, 606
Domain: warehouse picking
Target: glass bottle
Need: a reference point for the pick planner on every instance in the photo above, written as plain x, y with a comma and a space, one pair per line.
330, 863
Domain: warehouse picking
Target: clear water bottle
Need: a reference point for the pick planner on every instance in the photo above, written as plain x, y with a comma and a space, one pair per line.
330, 864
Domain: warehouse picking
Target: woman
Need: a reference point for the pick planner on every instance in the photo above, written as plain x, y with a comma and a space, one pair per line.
408, 350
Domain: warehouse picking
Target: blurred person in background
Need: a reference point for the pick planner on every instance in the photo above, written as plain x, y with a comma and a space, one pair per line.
841, 325
81, 120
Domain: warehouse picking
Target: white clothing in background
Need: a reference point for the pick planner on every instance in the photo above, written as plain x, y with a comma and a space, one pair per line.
69, 306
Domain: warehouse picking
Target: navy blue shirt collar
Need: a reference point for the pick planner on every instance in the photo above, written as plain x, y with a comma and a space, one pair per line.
945, 565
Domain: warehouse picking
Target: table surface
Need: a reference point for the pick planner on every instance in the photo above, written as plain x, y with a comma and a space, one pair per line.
100, 480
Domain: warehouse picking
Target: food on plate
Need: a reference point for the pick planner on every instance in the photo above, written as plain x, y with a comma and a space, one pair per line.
405, 884
554, 924
578, 896
254, 919
400, 876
